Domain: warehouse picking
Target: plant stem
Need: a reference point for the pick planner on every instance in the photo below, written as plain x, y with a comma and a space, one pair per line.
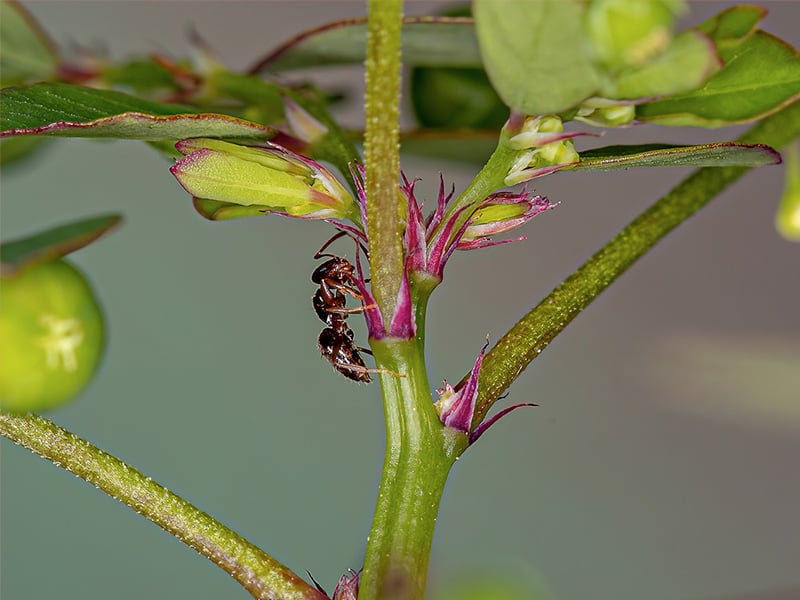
385, 206
526, 340
419, 454
257, 572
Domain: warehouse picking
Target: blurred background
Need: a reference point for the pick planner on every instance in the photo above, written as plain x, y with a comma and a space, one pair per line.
661, 463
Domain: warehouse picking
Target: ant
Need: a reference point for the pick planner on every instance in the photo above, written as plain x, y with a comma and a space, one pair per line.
336, 279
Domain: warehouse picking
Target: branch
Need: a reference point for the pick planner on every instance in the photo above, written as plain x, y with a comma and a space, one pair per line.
531, 335
260, 574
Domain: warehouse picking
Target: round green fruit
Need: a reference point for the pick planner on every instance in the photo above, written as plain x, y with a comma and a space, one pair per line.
51, 337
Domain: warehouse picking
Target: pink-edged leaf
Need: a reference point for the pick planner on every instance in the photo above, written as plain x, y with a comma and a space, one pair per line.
427, 41
59, 109
761, 75
721, 154
53, 243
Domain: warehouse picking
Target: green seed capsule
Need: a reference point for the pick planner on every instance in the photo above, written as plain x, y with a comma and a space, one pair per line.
51, 337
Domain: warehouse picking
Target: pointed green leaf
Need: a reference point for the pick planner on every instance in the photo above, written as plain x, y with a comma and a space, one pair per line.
761, 75
531, 53
26, 53
722, 154
732, 26
53, 243
74, 111
427, 41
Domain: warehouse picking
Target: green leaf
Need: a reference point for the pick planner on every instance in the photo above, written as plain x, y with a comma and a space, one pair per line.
140, 76
732, 26
14, 149
452, 98
531, 52
73, 111
721, 154
468, 146
761, 75
687, 63
427, 41
26, 53
53, 243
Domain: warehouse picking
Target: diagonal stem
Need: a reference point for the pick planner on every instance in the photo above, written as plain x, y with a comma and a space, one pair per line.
257, 572
526, 340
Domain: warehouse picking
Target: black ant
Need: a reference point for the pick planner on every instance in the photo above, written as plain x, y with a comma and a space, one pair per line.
336, 278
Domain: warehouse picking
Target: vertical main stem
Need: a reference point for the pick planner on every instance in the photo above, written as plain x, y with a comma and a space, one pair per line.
419, 454
419, 449
385, 208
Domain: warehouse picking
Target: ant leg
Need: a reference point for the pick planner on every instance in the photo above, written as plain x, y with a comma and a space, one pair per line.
351, 311
330, 286
360, 369
319, 253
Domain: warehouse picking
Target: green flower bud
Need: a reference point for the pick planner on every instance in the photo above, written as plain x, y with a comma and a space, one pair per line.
629, 33
264, 176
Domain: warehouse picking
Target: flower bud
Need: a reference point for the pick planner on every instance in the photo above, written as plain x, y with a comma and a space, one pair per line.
544, 148
603, 112
267, 176
500, 213
630, 33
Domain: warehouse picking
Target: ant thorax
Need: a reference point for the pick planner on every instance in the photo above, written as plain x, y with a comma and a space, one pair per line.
336, 279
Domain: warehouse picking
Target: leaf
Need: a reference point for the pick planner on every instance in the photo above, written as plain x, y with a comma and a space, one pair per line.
452, 98
732, 26
468, 146
26, 53
74, 111
14, 149
531, 53
141, 76
686, 65
53, 243
761, 75
720, 154
427, 41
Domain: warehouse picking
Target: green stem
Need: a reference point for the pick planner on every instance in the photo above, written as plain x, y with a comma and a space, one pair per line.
385, 207
488, 180
419, 454
257, 572
526, 340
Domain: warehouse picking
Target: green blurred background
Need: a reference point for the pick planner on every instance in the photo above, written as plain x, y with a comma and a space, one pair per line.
661, 463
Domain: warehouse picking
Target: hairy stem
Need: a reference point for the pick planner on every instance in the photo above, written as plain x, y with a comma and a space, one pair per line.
385, 207
526, 340
419, 454
257, 572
